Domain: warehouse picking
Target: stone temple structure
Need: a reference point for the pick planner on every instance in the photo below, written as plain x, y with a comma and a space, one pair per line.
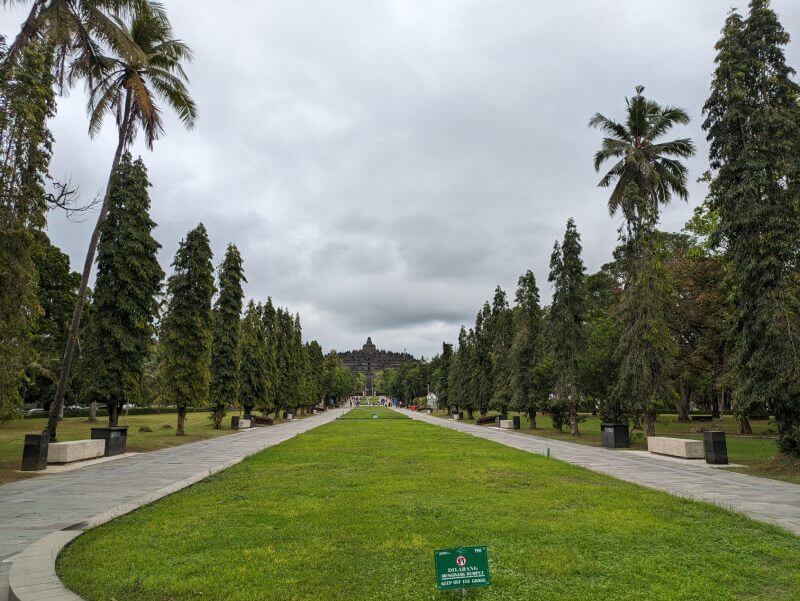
370, 360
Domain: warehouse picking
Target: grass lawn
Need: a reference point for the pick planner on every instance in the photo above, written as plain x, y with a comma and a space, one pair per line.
12, 435
354, 510
758, 452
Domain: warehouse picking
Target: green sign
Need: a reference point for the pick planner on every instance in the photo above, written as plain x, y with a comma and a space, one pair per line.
462, 567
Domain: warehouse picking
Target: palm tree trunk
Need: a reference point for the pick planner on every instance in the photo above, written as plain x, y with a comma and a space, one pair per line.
66, 363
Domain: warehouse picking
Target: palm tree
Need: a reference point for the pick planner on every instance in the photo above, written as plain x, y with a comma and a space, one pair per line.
647, 172
128, 86
75, 28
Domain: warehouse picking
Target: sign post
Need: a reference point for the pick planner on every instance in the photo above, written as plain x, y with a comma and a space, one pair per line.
461, 568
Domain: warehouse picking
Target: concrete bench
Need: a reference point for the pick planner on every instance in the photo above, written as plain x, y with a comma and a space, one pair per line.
75, 450
244, 423
510, 424
676, 447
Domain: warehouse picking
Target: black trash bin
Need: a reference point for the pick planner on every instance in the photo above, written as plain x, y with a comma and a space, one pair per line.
116, 438
234, 422
716, 447
34, 452
615, 436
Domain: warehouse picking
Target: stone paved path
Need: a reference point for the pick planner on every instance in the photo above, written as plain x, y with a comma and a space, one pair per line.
759, 498
30, 509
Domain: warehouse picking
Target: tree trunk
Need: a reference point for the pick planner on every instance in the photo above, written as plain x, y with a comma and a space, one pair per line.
219, 415
744, 425
573, 411
470, 414
721, 405
683, 403
57, 407
532, 419
113, 415
93, 411
650, 424
179, 431
573, 421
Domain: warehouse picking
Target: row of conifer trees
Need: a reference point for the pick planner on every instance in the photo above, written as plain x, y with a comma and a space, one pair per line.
205, 352
709, 317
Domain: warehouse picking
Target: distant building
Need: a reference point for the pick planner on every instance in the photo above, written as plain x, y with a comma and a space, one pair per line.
369, 361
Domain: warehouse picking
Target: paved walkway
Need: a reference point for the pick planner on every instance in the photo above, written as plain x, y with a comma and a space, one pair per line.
759, 498
30, 509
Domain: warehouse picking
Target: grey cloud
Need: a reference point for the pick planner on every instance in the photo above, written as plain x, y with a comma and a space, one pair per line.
383, 165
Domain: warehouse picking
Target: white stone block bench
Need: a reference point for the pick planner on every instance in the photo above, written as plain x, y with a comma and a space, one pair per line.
75, 450
244, 423
676, 447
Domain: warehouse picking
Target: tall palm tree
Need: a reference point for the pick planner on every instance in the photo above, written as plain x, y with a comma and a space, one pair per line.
646, 172
129, 87
75, 28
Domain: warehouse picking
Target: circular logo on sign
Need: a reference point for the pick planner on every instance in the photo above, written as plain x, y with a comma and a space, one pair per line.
461, 561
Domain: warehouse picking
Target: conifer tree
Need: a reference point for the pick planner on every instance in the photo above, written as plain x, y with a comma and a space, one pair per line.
270, 340
186, 328
124, 303
501, 331
225, 357
443, 375
526, 350
481, 364
646, 349
315, 372
567, 319
753, 125
26, 103
57, 286
458, 376
253, 368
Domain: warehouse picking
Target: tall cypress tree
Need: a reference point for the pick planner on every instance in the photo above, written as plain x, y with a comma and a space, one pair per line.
26, 103
458, 384
482, 360
225, 358
314, 372
270, 333
186, 328
567, 318
253, 369
443, 376
645, 349
501, 332
526, 349
753, 125
124, 304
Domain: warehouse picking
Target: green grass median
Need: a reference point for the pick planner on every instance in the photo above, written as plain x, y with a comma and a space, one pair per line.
354, 510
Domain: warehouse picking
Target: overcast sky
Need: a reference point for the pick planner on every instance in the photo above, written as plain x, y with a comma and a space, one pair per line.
384, 164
